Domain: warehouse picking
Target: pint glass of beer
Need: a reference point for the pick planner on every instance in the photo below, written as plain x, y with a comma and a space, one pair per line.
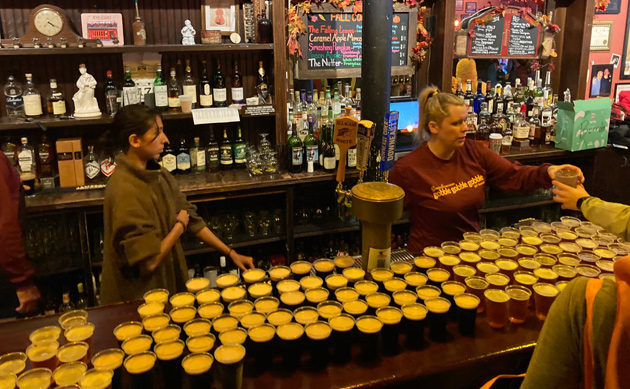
150, 309
240, 308
200, 344
391, 318
496, 307
438, 308
197, 368
301, 269
342, 326
69, 373
280, 317
306, 315
44, 334
323, 267
44, 354
72, 318
544, 295
13, 363
229, 360
137, 344
96, 379
342, 263
290, 335
415, 315
127, 330
73, 352
346, 294
262, 337
310, 282
235, 336
467, 305
140, 368
170, 358
170, 333
519, 301
266, 305
318, 334
39, 377
369, 336
110, 359
211, 310
83, 333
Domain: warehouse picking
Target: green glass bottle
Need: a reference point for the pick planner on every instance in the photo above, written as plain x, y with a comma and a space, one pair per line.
160, 90
311, 148
239, 149
295, 152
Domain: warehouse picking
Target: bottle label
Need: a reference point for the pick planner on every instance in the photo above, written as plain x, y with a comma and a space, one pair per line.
296, 156
183, 161
59, 107
312, 154
130, 95
169, 162
264, 90
226, 155
14, 102
507, 140
173, 102
32, 105
25, 159
302, 134
490, 105
237, 95
92, 169
329, 163
379, 258
352, 157
43, 156
213, 155
108, 166
201, 160
191, 90
220, 95
532, 131
500, 107
205, 100
240, 153
546, 118
521, 132
161, 95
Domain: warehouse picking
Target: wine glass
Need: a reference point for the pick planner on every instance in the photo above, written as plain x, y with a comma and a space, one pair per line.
264, 145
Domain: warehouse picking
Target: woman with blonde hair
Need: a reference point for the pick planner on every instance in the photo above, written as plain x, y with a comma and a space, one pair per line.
444, 179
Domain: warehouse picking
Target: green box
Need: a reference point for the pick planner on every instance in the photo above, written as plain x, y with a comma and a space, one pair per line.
583, 124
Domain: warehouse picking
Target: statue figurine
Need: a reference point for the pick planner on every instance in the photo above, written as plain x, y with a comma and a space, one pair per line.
85, 104
188, 33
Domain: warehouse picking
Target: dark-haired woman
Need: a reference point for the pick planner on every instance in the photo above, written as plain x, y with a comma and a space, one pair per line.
145, 213
444, 179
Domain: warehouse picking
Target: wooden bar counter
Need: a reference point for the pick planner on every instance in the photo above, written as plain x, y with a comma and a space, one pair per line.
459, 363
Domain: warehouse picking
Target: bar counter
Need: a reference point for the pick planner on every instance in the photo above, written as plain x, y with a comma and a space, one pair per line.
459, 363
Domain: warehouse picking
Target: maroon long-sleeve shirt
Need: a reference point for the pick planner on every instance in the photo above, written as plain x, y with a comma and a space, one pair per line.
443, 197
12, 255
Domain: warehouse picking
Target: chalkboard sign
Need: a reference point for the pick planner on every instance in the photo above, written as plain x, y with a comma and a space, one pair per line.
511, 35
332, 45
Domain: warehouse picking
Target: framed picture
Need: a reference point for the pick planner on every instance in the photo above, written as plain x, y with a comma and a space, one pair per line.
613, 8
220, 15
106, 27
601, 35
620, 88
624, 68
471, 8
459, 5
615, 59
601, 80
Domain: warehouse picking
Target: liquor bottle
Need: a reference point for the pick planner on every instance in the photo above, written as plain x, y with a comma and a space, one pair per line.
56, 103
348, 96
264, 27
183, 158
534, 127
327, 101
471, 124
205, 87
45, 159
111, 94
227, 158
32, 98
521, 128
479, 97
539, 95
483, 128
189, 85
239, 150
529, 101
262, 86
294, 146
490, 97
322, 98
66, 305
169, 160
547, 90
213, 154
459, 92
545, 125
330, 163
198, 156
498, 105
311, 109
81, 300
336, 104
357, 101
9, 149
311, 148
497, 124
26, 157
160, 90
218, 86
507, 97
173, 93
108, 164
13, 98
92, 166
506, 142
519, 97
130, 90
238, 97
222, 265
468, 97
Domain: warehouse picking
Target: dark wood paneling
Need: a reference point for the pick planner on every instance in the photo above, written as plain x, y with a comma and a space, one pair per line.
280, 69
441, 59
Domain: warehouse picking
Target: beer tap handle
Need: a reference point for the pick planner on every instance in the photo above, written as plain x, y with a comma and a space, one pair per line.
345, 136
365, 135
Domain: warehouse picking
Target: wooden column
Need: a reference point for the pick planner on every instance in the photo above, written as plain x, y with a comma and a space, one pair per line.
441, 56
281, 60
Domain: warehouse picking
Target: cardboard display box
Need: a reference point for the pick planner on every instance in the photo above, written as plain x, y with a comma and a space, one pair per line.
70, 162
583, 124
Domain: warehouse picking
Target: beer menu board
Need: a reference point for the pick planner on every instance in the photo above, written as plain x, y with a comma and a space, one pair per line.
334, 40
511, 35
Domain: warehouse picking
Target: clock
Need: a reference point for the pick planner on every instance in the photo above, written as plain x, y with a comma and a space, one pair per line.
48, 22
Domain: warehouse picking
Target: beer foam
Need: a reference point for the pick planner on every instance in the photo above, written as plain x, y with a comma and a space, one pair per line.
567, 235
476, 283
254, 275
438, 275
262, 333
424, 262
278, 318
565, 271
183, 314
468, 245
45, 334
344, 295
415, 279
394, 285
260, 289
571, 247
508, 252
150, 309
437, 305
425, 292
498, 279
196, 284
341, 323
7, 381
487, 268
506, 264
526, 250
290, 331
336, 281
156, 296
197, 327
266, 305
509, 241
353, 274
210, 311
292, 298
525, 279
401, 267
72, 352
66, 374
369, 325
489, 255
356, 307
529, 263
433, 252
226, 280
301, 267
389, 315
208, 296
469, 257
306, 315
405, 297
532, 240
546, 274
152, 323
42, 351
279, 273
324, 265
317, 295
365, 287
551, 249
466, 301
235, 336
252, 319
200, 344
198, 363
182, 299
140, 363
137, 345
328, 310
449, 260
377, 300
546, 290
310, 282
15, 366
233, 293
586, 243
344, 261
452, 288
604, 253
381, 275
497, 296
318, 331
110, 359
518, 294
224, 323
34, 379
240, 308
229, 354
288, 286
96, 379
170, 350
490, 245
166, 334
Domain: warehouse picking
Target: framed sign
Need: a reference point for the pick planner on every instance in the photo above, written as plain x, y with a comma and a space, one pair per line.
459, 5
624, 69
471, 8
601, 80
106, 27
620, 88
220, 15
332, 45
613, 8
601, 35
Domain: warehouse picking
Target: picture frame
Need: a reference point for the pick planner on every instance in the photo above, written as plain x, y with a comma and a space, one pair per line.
471, 8
220, 15
613, 8
624, 67
601, 80
621, 88
601, 35
104, 26
459, 5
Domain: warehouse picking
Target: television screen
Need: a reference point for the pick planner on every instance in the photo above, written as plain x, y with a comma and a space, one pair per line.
407, 114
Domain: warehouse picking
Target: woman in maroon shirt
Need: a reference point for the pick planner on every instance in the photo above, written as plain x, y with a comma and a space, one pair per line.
445, 177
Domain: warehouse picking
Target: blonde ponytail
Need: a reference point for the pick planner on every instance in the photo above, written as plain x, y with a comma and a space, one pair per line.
434, 107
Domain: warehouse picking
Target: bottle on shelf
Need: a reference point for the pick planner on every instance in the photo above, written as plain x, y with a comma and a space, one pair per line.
238, 96
546, 118
264, 27
489, 99
174, 105
45, 159
205, 87
357, 102
534, 127
13, 98
183, 158
506, 141
539, 94
469, 97
198, 156
479, 97
213, 154
129, 90
218, 86
26, 157
108, 164
56, 102
521, 128
81, 299
471, 126
547, 90
190, 85
160, 89
9, 148
262, 86
311, 109
498, 105
311, 148
295, 152
330, 163
169, 160
459, 92
227, 158
139, 31
483, 129
336, 104
529, 99
32, 98
518, 96
92, 166
111, 94
222, 265
239, 150
66, 304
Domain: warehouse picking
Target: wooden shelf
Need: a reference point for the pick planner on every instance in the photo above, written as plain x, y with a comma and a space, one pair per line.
253, 242
176, 48
516, 206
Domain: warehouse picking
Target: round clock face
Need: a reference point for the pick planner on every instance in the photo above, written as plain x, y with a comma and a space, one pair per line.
48, 22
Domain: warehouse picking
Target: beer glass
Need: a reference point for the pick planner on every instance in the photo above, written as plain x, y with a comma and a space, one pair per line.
342, 263
328, 309
545, 260
477, 286
197, 367
433, 252
342, 326
233, 293
415, 315
253, 276
38, 377
544, 296
290, 335
169, 359
414, 280
262, 346
438, 308
423, 263
200, 344
208, 296
224, 323
369, 336
44, 354
519, 301
72, 318
277, 274
393, 285
487, 268
170, 333
365, 287
336, 281
380, 275
12, 363
252, 320
353, 274
234, 336
450, 289
96, 379
318, 334
300, 269
567, 177
316, 295
310, 282
140, 369
496, 307
285, 286
182, 299
306, 315
507, 267
210, 311
437, 276
154, 323
69, 373
346, 294
405, 297
182, 315
226, 280
260, 289
323, 267
198, 284
197, 327
400, 268
377, 300
497, 281
127, 330
448, 261
546, 275
156, 296
280, 317
355, 308
73, 352
240, 308
461, 272
467, 305
110, 359
391, 318
451, 247
44, 334
137, 344
293, 300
